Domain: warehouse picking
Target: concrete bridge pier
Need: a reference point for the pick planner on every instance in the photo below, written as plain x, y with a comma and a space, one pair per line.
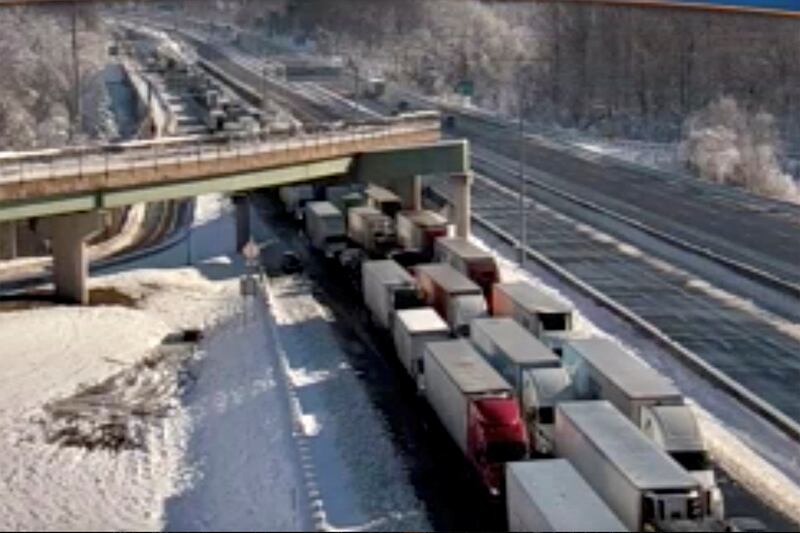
243, 230
68, 235
462, 203
8, 240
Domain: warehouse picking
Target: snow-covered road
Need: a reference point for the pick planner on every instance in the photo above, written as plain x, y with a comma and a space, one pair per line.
355, 475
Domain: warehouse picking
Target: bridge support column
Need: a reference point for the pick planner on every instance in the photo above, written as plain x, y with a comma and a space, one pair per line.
8, 240
462, 203
68, 235
242, 203
416, 193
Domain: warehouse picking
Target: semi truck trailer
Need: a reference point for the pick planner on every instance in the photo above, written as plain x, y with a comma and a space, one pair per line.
549, 495
455, 297
295, 197
325, 227
535, 310
387, 288
510, 349
418, 230
601, 370
476, 406
413, 329
639, 482
383, 200
474, 262
370, 229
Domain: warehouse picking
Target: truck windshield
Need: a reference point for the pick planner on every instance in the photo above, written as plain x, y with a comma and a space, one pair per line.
692, 461
505, 452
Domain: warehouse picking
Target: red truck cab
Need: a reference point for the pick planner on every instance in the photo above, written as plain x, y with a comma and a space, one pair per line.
477, 407
496, 436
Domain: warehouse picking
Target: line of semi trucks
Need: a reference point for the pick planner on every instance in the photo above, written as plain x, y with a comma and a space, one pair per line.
572, 430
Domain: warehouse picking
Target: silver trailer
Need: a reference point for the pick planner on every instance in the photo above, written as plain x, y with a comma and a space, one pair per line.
510, 349
295, 197
413, 329
325, 227
641, 484
369, 228
601, 370
454, 296
418, 230
387, 287
535, 310
549, 495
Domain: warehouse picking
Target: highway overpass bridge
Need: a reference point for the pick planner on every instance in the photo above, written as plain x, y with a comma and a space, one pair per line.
66, 191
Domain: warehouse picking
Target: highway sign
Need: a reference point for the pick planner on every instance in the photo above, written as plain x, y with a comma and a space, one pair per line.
465, 88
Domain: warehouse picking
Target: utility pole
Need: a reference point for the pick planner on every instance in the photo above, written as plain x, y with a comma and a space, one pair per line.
523, 185
264, 89
77, 118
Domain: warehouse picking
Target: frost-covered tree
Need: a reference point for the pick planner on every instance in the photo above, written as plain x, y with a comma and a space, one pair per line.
37, 88
727, 144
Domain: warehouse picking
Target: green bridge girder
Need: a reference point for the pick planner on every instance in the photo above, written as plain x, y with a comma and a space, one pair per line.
385, 166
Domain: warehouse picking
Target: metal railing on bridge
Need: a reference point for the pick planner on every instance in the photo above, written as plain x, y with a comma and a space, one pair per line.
17, 167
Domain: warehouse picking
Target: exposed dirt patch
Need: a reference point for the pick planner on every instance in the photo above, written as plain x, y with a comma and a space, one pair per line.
110, 296
115, 414
39, 299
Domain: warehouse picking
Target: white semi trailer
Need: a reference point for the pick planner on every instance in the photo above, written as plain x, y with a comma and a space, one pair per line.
326, 228
641, 484
601, 370
387, 288
549, 495
413, 329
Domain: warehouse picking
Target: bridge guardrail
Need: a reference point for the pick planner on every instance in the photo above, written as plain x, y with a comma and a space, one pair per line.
20, 167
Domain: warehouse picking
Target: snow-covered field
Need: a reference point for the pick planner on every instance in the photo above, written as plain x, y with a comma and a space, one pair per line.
220, 455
